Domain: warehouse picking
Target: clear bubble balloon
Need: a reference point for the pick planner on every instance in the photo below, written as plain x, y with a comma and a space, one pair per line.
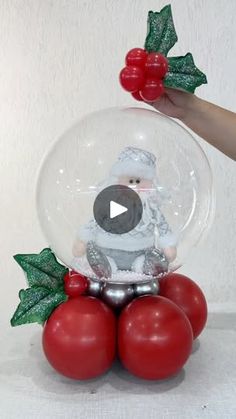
126, 148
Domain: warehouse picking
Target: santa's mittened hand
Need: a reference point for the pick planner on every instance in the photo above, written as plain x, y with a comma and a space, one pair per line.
170, 253
79, 248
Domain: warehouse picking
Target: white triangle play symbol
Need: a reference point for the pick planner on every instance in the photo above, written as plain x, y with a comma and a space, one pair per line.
116, 209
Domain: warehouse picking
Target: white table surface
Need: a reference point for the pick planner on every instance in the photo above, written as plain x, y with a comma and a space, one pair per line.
206, 388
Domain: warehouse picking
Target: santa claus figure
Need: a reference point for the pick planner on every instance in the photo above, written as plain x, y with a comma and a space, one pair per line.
151, 245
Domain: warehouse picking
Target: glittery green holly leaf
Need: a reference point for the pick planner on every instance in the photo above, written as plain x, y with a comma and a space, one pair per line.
45, 278
36, 305
183, 74
161, 36
42, 270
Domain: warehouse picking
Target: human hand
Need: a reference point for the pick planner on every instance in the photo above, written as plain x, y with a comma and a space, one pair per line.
175, 103
214, 124
79, 248
170, 253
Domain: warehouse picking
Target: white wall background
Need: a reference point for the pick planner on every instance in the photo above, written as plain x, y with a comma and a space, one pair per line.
59, 60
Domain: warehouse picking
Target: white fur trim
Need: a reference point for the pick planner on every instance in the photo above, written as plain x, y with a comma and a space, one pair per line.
168, 240
138, 264
113, 264
133, 168
123, 242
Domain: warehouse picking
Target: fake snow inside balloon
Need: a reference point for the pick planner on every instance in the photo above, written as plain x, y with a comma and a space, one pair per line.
145, 152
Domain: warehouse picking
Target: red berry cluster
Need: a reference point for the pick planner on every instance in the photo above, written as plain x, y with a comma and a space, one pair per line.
75, 284
144, 73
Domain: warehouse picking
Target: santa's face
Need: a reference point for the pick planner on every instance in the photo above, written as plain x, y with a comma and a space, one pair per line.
136, 183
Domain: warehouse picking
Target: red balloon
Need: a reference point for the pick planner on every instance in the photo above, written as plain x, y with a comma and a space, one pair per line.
75, 284
136, 95
154, 337
79, 338
131, 78
152, 90
136, 57
188, 296
156, 65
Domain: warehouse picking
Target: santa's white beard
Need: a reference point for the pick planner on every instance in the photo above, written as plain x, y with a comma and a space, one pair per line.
149, 200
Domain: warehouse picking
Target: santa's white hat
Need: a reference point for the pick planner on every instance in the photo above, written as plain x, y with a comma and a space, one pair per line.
133, 161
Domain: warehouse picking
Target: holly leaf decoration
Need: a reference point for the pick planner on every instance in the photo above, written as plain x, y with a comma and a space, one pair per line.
161, 36
183, 74
42, 269
45, 277
36, 305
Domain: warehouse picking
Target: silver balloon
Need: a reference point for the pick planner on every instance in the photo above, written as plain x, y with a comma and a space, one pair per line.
146, 288
94, 288
117, 295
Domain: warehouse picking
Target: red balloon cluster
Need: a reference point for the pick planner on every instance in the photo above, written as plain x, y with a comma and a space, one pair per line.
144, 73
154, 333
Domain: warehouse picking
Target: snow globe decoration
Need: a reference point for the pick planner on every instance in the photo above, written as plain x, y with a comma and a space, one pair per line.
123, 197
115, 150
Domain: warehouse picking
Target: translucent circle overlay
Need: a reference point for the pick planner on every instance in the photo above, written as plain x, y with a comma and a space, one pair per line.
78, 167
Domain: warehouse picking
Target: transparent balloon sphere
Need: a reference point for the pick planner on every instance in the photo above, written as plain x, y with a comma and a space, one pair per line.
146, 152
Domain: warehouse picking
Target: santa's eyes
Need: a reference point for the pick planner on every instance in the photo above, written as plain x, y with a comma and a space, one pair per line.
133, 181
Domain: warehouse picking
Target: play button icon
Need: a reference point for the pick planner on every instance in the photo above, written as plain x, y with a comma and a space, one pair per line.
118, 209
